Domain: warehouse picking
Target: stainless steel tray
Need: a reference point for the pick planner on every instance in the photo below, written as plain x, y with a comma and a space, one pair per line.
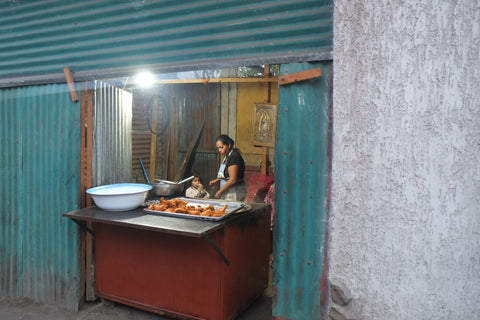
231, 208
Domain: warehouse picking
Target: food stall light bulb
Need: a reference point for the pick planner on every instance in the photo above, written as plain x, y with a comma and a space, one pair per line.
145, 79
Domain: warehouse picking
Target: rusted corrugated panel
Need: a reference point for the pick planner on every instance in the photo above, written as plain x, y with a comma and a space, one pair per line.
180, 112
147, 130
197, 104
301, 190
104, 37
112, 135
40, 179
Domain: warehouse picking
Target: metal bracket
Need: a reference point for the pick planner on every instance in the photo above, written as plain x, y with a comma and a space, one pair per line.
216, 248
83, 226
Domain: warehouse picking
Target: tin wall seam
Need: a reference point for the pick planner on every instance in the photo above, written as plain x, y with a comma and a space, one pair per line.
46, 36
40, 179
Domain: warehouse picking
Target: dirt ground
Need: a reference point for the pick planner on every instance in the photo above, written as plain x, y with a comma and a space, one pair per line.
24, 309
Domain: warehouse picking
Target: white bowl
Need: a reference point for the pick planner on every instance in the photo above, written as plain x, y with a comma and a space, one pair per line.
119, 196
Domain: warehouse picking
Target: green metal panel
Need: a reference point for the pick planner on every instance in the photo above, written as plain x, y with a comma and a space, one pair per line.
103, 37
10, 193
301, 189
40, 179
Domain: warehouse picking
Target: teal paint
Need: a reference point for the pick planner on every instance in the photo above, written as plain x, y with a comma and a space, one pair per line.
40, 179
301, 189
10, 193
41, 38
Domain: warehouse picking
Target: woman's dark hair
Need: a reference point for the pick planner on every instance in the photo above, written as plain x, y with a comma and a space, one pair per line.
226, 140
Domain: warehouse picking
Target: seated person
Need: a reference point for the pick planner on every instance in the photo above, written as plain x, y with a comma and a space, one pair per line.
196, 190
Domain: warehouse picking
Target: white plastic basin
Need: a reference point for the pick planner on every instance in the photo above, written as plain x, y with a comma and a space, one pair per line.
119, 196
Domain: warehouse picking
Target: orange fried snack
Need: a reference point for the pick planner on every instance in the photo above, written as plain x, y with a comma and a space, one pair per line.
180, 206
207, 213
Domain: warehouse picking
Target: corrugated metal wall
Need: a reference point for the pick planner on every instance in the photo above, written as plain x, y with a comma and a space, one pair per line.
301, 190
38, 39
180, 110
112, 135
101, 37
196, 104
40, 179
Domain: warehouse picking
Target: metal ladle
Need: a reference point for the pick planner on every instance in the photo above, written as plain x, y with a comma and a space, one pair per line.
185, 180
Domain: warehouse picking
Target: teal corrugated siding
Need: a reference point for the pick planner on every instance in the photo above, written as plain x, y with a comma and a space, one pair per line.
43, 37
11, 194
301, 189
40, 179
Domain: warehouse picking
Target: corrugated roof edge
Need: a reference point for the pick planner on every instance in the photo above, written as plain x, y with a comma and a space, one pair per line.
27, 80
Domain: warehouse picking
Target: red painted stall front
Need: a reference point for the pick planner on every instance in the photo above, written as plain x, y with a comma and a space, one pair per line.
182, 268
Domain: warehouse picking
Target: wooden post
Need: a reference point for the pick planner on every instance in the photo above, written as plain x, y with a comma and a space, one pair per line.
86, 242
267, 93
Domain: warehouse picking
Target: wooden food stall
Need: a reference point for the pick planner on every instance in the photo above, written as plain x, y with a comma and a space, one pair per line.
187, 269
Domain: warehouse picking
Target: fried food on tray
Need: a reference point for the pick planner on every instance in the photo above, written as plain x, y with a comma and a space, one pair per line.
194, 212
181, 206
181, 210
207, 213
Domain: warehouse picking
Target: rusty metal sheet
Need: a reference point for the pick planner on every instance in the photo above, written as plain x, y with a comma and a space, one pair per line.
40, 179
38, 39
301, 191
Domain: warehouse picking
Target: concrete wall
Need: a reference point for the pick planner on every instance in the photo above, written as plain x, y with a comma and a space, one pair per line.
405, 210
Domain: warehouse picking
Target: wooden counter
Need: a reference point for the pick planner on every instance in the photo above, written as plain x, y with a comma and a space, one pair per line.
187, 269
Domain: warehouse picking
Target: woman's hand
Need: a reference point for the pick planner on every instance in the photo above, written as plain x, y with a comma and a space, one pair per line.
213, 182
233, 173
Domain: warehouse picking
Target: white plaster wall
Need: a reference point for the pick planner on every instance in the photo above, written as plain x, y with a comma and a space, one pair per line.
405, 210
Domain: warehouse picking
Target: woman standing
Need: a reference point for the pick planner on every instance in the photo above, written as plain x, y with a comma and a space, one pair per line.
231, 172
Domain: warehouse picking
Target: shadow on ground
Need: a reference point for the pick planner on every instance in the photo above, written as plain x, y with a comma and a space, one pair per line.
24, 309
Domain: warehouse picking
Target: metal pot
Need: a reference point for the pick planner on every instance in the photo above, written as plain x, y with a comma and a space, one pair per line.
164, 187
168, 188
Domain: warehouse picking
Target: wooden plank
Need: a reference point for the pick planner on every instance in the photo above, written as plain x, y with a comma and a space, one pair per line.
300, 76
87, 137
86, 141
83, 149
267, 97
217, 80
83, 179
89, 143
71, 84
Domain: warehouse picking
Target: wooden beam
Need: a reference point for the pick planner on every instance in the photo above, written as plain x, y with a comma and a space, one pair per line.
71, 84
217, 80
267, 97
300, 76
87, 247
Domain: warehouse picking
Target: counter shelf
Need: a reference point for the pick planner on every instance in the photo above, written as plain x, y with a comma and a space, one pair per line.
161, 264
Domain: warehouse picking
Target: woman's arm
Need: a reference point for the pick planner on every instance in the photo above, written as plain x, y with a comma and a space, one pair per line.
232, 180
215, 181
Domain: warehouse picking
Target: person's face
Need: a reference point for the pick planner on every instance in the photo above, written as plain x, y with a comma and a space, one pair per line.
196, 182
223, 149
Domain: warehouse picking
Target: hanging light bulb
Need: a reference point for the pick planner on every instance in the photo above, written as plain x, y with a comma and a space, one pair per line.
145, 79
